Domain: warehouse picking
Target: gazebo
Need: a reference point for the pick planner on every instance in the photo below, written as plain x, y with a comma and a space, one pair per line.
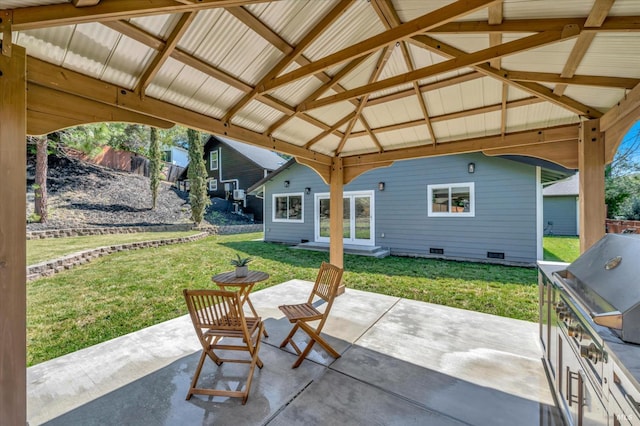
344, 86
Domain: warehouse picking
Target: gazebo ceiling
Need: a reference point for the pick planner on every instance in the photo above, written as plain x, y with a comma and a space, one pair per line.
370, 81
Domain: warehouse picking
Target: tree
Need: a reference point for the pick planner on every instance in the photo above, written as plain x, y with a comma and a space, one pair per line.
622, 178
197, 174
154, 166
40, 187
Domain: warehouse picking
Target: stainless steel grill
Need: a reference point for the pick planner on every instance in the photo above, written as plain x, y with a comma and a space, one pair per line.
605, 280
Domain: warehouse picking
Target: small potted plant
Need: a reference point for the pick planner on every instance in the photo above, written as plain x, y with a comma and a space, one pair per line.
241, 265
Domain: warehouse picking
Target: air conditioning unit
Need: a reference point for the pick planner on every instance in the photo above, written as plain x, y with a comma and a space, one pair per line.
238, 194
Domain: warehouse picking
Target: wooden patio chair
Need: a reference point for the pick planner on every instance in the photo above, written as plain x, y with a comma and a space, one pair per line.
325, 289
217, 314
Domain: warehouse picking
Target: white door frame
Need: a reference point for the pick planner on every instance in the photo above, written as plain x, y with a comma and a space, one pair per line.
352, 196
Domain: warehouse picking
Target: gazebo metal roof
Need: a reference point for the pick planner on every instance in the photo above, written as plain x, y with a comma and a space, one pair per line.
348, 78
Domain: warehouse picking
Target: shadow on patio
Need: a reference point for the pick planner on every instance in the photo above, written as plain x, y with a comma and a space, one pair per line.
403, 362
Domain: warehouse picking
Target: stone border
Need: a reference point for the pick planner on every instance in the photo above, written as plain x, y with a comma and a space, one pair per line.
51, 267
79, 232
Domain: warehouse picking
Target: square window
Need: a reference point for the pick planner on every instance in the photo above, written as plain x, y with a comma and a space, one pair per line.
288, 207
453, 200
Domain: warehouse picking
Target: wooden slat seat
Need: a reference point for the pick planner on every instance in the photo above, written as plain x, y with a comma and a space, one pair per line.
218, 315
325, 290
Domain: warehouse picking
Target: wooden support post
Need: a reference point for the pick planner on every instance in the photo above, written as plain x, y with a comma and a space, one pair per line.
591, 161
13, 305
336, 212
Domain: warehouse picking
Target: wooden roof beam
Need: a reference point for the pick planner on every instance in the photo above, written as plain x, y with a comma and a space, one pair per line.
29, 18
533, 88
461, 61
382, 61
596, 17
580, 80
292, 55
453, 115
176, 34
610, 24
48, 75
390, 18
416, 26
548, 135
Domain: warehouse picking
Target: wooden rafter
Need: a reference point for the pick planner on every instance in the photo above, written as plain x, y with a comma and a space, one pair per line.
332, 129
6, 23
454, 115
292, 55
71, 82
461, 61
580, 80
382, 61
533, 88
408, 29
596, 17
29, 18
317, 93
162, 56
495, 18
611, 24
529, 137
390, 18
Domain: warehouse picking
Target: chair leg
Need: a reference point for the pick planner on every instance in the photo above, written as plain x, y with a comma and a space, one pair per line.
291, 333
194, 381
316, 336
255, 360
313, 338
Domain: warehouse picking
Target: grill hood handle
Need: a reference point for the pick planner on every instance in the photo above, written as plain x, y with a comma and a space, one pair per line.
611, 319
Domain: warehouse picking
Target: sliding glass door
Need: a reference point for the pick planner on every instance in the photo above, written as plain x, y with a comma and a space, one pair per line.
357, 218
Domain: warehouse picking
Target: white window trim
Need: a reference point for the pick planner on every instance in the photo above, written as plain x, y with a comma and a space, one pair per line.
472, 200
347, 194
287, 194
213, 184
217, 160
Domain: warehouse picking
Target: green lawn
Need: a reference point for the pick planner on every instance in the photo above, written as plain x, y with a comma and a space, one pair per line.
53, 248
561, 249
127, 291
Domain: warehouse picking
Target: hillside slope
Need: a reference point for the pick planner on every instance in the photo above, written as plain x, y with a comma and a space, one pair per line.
85, 195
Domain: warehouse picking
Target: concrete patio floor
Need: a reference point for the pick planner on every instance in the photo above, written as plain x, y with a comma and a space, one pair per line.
403, 363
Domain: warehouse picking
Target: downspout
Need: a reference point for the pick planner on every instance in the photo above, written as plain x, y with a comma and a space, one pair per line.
235, 181
539, 214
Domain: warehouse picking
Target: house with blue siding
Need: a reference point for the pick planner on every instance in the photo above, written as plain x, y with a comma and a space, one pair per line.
465, 207
561, 211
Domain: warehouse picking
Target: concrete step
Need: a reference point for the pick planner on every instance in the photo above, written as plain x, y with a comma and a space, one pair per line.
372, 251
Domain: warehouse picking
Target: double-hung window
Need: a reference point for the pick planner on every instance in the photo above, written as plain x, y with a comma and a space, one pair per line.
288, 207
213, 160
451, 200
213, 184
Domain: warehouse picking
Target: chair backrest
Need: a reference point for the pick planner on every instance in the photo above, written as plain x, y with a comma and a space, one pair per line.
215, 311
327, 282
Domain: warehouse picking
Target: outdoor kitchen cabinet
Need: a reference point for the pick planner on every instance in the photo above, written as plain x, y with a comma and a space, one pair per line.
577, 393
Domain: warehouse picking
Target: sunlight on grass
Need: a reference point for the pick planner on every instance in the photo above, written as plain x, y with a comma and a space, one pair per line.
127, 291
561, 249
53, 248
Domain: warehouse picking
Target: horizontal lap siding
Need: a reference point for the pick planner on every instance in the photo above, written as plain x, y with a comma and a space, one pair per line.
299, 177
562, 211
505, 211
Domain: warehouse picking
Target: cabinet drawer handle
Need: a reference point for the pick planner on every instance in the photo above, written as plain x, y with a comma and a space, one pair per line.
634, 405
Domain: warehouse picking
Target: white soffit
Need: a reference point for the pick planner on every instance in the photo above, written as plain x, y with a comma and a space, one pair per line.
291, 20
198, 38
90, 47
128, 62
397, 111
551, 58
361, 74
333, 113
14, 4
360, 144
404, 138
358, 23
48, 44
612, 54
327, 145
158, 25
297, 131
297, 91
256, 116
597, 97
542, 114
523, 9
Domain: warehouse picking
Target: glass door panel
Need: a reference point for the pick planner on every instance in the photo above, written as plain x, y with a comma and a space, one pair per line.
362, 217
357, 218
323, 217
346, 216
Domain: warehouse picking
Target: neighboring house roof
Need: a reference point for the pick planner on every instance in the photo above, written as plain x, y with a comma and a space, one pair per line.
569, 186
261, 182
262, 157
